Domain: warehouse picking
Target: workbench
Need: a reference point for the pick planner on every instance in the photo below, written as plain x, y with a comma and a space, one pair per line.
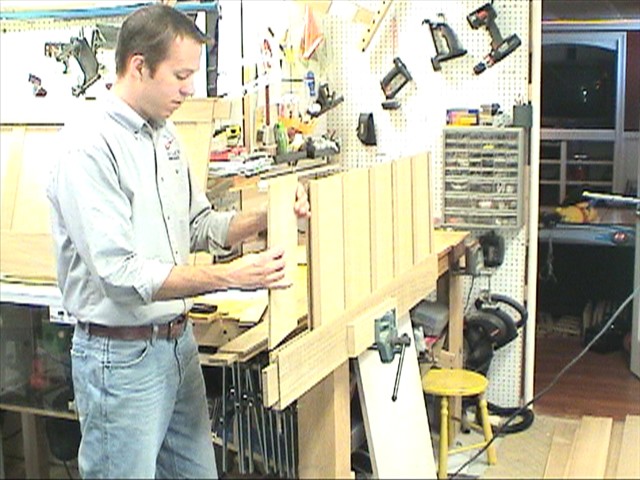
449, 247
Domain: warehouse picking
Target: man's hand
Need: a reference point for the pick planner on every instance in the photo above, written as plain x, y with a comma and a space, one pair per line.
258, 270
301, 205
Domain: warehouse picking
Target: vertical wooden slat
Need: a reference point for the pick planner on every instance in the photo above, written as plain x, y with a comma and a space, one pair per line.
324, 426
282, 232
402, 216
357, 241
326, 249
12, 141
381, 204
421, 197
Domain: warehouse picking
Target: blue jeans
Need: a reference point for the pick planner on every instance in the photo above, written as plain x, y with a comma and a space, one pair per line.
142, 408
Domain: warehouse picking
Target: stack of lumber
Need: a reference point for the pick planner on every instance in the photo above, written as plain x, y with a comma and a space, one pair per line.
596, 447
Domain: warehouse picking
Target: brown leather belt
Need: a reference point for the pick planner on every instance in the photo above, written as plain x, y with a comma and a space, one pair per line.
168, 331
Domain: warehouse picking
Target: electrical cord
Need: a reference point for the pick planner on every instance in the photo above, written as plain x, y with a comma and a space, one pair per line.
466, 304
519, 411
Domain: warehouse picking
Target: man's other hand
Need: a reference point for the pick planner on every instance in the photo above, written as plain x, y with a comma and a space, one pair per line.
258, 270
301, 205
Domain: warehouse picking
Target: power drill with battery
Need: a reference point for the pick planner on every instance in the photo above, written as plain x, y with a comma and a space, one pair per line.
485, 17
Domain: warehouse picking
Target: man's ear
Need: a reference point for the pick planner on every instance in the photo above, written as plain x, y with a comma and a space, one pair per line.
136, 65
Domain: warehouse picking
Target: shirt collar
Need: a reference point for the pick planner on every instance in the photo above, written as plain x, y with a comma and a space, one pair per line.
122, 112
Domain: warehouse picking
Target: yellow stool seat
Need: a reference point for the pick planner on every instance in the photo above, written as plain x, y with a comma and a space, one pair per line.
457, 382
454, 382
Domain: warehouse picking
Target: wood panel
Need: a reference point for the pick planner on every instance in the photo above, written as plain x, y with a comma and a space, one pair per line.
324, 428
588, 457
614, 450
323, 412
298, 373
563, 437
31, 209
629, 460
357, 240
307, 358
283, 232
11, 147
249, 342
397, 431
326, 249
381, 204
402, 216
421, 203
25, 207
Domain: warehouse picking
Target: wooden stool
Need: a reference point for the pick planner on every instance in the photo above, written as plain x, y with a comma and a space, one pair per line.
458, 382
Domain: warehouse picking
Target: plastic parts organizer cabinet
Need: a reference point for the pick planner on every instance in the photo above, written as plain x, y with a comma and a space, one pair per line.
483, 177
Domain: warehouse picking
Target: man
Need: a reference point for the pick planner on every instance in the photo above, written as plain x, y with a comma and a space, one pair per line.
125, 215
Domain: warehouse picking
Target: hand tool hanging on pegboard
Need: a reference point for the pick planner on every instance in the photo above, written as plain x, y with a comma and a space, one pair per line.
396, 79
445, 41
485, 16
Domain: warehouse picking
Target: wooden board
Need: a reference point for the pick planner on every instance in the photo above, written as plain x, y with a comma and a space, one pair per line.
397, 432
588, 457
282, 232
614, 450
326, 249
11, 147
402, 216
31, 214
564, 435
324, 428
307, 358
310, 357
251, 341
25, 165
357, 241
27, 257
381, 204
421, 203
629, 460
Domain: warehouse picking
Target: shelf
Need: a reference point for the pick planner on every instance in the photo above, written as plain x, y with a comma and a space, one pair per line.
589, 183
600, 163
19, 19
561, 135
575, 160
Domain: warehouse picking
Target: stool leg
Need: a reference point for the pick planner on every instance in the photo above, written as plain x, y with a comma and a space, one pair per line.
444, 438
486, 428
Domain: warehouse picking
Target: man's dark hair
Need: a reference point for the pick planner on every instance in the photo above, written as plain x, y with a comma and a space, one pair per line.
150, 31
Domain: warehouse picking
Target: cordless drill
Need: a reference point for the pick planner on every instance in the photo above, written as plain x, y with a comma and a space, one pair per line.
485, 17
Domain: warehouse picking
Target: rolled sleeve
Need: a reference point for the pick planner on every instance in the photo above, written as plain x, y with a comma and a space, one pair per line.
157, 273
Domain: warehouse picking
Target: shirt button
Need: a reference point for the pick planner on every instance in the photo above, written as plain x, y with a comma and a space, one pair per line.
177, 171
162, 179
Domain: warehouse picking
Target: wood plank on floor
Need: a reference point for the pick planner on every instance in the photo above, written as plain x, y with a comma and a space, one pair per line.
588, 457
561, 443
629, 458
614, 450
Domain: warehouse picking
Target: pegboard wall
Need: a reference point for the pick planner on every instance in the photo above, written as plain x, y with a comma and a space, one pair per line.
417, 125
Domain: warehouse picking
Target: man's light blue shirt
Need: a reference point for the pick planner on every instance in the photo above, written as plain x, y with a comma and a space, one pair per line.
125, 210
